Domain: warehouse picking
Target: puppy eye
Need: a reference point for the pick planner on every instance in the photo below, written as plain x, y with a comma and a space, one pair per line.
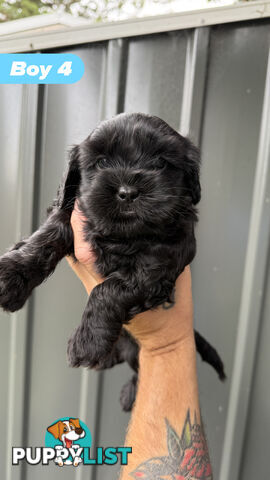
65, 430
159, 163
102, 162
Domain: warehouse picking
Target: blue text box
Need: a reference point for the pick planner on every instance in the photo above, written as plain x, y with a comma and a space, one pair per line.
48, 68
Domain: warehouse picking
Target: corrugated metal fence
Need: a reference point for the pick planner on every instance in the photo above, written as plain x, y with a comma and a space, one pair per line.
213, 83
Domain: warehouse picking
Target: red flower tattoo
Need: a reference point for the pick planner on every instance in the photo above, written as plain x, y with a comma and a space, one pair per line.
188, 457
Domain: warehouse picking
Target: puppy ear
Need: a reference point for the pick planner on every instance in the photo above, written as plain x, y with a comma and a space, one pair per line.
192, 171
69, 188
54, 429
75, 422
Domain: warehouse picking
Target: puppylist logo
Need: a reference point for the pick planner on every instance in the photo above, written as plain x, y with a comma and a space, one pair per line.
68, 441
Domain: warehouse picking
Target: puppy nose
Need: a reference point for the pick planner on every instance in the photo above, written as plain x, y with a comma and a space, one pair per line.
127, 193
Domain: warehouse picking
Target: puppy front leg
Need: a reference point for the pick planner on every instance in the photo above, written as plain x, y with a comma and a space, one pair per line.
109, 307
34, 259
101, 324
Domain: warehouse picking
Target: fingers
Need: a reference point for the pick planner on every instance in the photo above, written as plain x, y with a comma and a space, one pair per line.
84, 267
83, 252
183, 284
183, 293
83, 274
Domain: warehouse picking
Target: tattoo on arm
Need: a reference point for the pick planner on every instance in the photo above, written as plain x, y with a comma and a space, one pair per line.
187, 459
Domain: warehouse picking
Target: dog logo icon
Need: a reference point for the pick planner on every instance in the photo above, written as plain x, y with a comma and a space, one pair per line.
68, 441
66, 435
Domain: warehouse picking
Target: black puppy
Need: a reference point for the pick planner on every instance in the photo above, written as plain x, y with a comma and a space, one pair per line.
136, 181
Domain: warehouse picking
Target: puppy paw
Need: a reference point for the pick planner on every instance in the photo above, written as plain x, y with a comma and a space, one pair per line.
128, 394
87, 350
13, 286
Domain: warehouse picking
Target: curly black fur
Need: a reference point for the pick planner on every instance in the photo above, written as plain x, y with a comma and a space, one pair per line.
136, 181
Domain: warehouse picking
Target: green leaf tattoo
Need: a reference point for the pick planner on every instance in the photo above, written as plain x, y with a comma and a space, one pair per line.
186, 439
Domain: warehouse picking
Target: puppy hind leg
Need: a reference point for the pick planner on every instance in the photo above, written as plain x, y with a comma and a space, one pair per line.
129, 350
32, 260
125, 349
128, 393
129, 390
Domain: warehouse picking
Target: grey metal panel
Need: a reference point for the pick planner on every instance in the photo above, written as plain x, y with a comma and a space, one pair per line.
115, 78
251, 300
255, 456
111, 420
161, 89
258, 420
231, 126
18, 180
18, 376
194, 83
10, 113
197, 58
154, 82
155, 77
70, 112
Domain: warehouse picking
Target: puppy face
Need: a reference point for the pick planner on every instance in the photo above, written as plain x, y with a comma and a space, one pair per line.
138, 177
67, 431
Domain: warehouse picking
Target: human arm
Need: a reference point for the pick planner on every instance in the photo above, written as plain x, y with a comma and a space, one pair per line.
165, 431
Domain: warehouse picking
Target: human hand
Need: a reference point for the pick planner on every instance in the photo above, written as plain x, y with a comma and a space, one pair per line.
84, 266
157, 331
